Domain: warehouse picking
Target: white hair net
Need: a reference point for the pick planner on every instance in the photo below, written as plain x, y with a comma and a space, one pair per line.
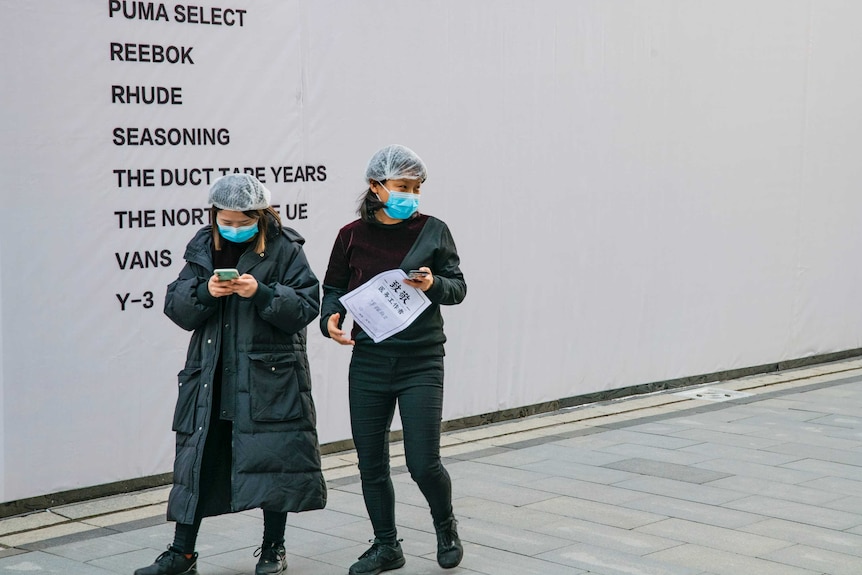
239, 192
394, 163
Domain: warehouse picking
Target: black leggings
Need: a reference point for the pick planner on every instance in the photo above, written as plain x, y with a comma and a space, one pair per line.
186, 535
416, 383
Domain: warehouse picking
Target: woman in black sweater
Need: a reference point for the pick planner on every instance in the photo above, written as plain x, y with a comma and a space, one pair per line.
407, 367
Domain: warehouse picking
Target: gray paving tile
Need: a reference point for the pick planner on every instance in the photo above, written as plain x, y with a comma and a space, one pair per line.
840, 433
415, 517
686, 473
346, 502
71, 538
534, 441
4, 552
680, 490
309, 543
154, 538
721, 451
730, 540
778, 420
322, 520
478, 454
758, 486
817, 560
490, 561
132, 525
766, 410
42, 562
632, 541
602, 513
708, 417
516, 495
496, 512
665, 427
678, 456
711, 435
587, 490
596, 474
406, 491
510, 475
821, 468
512, 457
649, 439
849, 421
206, 566
508, 537
89, 549
838, 485
848, 504
209, 543
726, 431
596, 441
799, 512
557, 452
693, 511
779, 474
700, 558
807, 434
830, 539
356, 533
608, 562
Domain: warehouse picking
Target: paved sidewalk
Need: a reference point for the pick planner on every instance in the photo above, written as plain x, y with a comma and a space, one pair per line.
756, 476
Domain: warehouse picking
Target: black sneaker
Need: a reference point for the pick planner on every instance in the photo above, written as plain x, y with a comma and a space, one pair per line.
381, 557
170, 562
271, 560
449, 549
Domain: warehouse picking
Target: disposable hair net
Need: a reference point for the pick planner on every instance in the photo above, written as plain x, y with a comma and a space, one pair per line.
393, 163
239, 192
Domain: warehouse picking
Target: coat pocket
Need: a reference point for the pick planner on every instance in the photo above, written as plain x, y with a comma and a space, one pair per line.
189, 381
274, 387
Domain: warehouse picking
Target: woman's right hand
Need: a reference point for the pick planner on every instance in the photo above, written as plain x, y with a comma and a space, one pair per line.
220, 288
339, 335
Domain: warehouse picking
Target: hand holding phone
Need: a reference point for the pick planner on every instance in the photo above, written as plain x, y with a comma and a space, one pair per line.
416, 274
226, 274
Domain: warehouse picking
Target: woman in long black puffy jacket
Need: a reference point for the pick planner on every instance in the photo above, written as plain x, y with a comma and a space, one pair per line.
245, 421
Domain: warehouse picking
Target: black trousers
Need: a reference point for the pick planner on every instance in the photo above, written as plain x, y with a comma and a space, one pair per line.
416, 384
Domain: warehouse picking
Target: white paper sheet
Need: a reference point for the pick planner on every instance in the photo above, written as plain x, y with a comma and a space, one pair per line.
384, 305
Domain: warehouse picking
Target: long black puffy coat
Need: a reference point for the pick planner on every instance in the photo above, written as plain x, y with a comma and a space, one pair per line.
265, 379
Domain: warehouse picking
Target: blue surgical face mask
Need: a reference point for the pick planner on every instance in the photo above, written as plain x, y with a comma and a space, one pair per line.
238, 235
401, 205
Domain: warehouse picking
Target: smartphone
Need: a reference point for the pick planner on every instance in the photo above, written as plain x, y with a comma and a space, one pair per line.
416, 274
225, 274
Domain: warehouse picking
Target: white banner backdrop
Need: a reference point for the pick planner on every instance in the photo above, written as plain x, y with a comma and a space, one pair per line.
640, 191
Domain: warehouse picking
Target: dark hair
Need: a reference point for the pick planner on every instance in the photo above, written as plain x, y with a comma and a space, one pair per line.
265, 217
369, 203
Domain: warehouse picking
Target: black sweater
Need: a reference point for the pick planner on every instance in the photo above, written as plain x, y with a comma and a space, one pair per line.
364, 249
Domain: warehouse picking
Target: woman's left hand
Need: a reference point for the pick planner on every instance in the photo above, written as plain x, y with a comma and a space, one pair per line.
245, 285
423, 283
